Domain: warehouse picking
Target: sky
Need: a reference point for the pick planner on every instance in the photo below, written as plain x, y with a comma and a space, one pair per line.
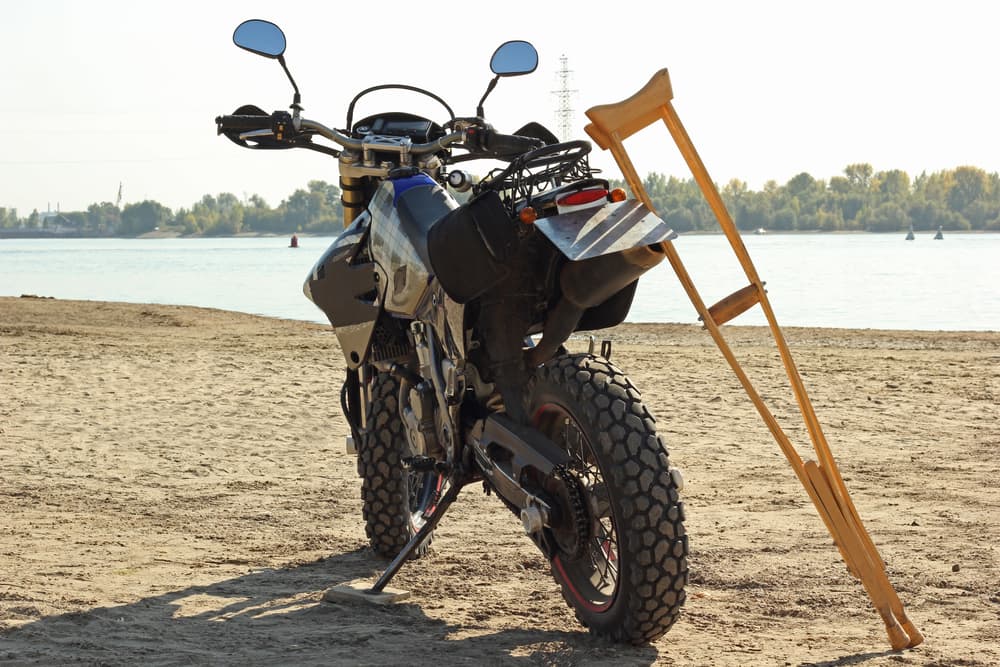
98, 93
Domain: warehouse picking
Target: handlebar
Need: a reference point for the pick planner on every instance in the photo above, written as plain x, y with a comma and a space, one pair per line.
350, 143
480, 140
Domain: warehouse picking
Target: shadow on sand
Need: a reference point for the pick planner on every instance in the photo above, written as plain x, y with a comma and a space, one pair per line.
855, 659
276, 617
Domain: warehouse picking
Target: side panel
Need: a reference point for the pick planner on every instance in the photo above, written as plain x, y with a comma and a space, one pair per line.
346, 291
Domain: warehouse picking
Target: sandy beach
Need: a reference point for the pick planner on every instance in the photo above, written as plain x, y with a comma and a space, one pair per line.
175, 490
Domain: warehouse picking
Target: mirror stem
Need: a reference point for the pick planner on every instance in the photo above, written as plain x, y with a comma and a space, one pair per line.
297, 98
489, 89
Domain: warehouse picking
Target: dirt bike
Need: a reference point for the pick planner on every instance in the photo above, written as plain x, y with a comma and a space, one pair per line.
453, 319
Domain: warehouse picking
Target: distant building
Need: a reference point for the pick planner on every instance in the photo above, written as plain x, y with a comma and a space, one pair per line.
57, 223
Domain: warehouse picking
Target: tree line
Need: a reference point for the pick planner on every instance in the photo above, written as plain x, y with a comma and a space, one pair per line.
314, 209
862, 199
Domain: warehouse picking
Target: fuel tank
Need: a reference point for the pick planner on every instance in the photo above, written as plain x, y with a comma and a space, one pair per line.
353, 288
402, 212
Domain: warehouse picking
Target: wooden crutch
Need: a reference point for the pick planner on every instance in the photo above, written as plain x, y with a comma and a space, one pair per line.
610, 125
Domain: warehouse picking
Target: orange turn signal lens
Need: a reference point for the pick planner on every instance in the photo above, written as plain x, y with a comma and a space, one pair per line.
528, 215
618, 194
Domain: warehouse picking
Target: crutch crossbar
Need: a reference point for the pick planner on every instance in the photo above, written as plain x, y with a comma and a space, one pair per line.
735, 304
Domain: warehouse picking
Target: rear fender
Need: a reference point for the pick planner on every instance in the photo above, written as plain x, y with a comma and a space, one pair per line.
604, 230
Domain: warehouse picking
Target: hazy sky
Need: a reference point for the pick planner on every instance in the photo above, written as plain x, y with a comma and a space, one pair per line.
100, 92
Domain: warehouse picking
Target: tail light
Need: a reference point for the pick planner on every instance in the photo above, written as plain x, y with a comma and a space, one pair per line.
582, 199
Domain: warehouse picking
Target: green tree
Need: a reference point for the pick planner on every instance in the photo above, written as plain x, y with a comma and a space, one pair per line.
859, 175
8, 217
801, 185
229, 216
786, 219
260, 217
103, 218
892, 185
187, 221
143, 217
887, 217
970, 184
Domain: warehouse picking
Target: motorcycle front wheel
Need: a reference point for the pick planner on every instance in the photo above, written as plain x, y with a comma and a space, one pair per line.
627, 581
396, 501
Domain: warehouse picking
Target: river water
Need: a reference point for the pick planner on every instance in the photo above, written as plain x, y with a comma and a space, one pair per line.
873, 281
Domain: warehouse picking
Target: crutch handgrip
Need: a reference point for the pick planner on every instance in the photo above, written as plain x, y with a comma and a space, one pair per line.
627, 117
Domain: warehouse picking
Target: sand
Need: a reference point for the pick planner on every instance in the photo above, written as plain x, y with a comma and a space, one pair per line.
175, 490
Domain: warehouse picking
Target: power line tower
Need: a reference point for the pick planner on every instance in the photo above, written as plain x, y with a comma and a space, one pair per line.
564, 112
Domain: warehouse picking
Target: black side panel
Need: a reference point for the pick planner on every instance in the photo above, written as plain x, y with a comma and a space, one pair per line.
343, 291
346, 292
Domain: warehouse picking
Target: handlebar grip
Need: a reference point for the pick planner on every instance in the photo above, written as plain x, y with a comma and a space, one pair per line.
242, 122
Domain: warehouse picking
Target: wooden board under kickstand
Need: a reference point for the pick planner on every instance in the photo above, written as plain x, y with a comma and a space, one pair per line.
610, 125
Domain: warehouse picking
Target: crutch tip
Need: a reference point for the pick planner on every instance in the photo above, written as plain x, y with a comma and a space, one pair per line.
897, 638
916, 639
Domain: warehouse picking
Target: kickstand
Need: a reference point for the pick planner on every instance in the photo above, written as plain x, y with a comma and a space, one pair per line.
446, 500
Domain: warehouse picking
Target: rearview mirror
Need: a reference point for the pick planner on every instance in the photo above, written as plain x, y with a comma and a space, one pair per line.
514, 59
261, 37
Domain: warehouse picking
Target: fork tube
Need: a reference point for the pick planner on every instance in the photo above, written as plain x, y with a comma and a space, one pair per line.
352, 198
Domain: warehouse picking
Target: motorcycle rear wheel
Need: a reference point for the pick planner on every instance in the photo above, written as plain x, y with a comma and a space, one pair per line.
395, 500
628, 584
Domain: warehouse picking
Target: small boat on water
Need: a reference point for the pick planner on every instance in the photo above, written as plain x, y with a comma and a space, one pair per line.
939, 236
760, 230
909, 234
294, 243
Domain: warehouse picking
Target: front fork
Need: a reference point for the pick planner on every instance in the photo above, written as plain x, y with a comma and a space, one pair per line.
352, 198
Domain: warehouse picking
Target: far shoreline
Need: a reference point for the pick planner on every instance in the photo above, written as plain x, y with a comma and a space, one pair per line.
7, 234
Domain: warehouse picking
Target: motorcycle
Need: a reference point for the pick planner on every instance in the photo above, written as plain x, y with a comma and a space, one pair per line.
453, 319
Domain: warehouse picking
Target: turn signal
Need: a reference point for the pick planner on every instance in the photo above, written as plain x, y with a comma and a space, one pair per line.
617, 195
528, 215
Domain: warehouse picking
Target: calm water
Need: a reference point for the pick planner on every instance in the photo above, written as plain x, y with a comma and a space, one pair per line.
850, 280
